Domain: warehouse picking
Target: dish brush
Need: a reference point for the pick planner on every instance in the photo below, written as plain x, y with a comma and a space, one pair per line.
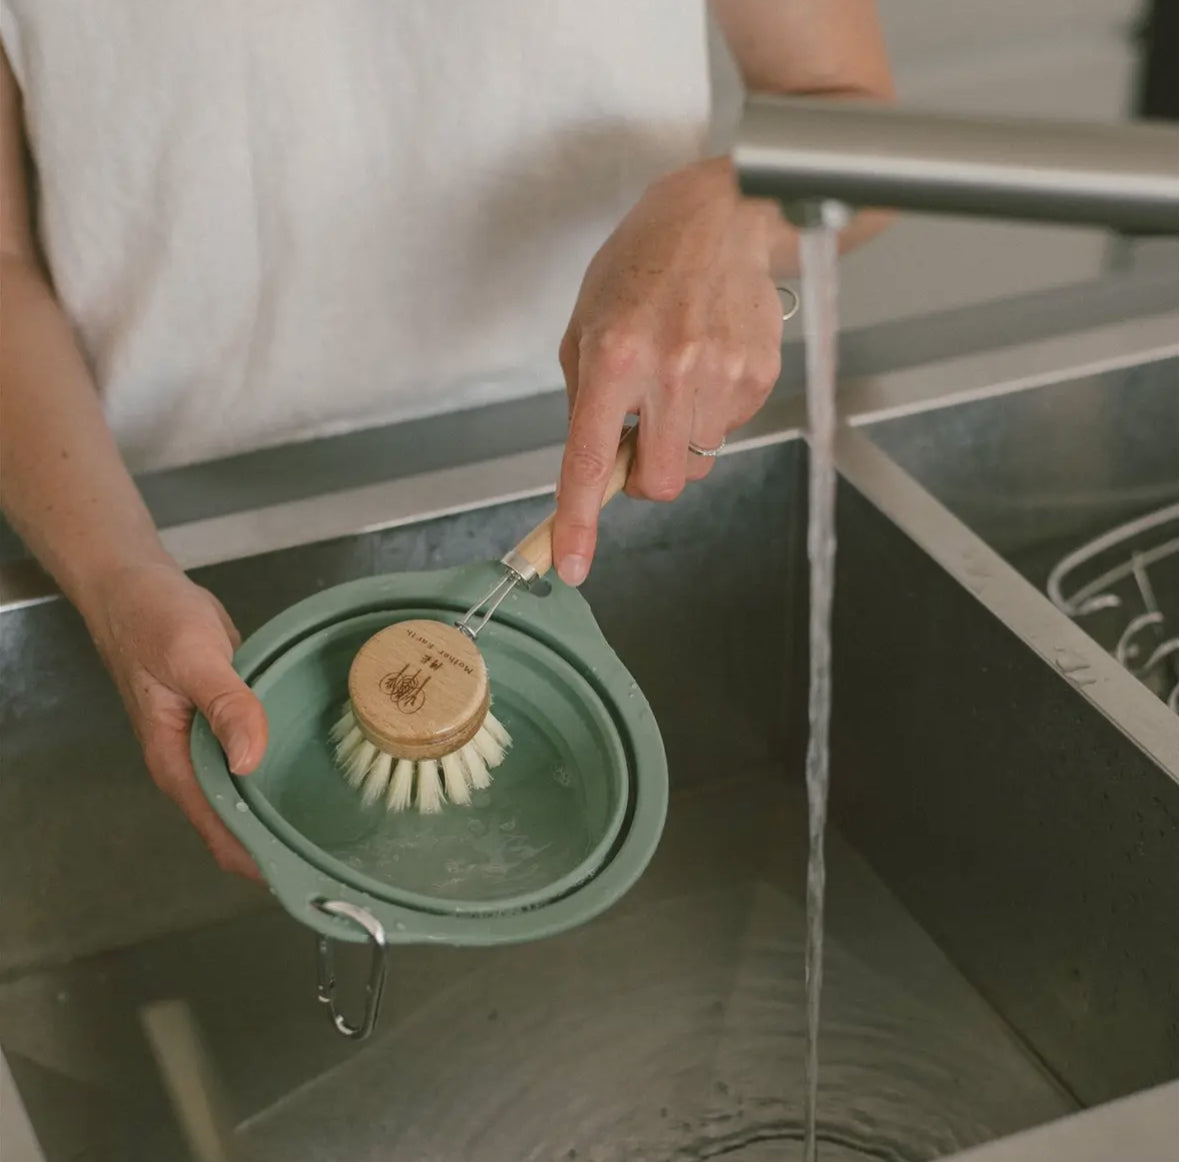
417, 729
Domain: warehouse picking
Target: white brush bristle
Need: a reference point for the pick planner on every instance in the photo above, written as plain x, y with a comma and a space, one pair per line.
401, 786
427, 783
454, 777
358, 764
344, 725
348, 745
378, 778
477, 772
497, 730
489, 750
429, 787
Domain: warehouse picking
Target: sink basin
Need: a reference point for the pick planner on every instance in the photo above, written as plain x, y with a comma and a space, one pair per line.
1003, 949
1035, 832
1070, 483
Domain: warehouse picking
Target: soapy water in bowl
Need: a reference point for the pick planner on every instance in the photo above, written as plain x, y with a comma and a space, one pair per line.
499, 840
535, 824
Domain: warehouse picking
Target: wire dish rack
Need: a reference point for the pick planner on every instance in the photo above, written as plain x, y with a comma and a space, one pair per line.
1123, 586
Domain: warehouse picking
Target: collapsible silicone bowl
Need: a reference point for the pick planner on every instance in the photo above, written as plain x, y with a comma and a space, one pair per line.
569, 823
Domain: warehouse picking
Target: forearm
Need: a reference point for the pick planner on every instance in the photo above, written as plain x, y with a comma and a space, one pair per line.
63, 485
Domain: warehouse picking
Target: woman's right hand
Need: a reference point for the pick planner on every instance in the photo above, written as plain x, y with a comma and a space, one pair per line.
169, 645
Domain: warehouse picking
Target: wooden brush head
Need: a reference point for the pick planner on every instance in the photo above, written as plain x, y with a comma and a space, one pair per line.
419, 690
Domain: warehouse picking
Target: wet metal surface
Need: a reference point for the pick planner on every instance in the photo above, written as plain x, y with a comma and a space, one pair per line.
670, 1029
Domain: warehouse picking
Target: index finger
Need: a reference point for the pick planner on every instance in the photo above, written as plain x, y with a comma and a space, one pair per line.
589, 457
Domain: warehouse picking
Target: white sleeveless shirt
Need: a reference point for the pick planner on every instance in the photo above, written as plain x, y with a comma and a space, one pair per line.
270, 220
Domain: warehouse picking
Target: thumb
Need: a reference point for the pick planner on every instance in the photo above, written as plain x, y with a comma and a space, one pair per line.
231, 707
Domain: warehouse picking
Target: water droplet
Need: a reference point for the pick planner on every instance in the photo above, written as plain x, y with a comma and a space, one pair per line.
241, 806
399, 926
508, 825
562, 777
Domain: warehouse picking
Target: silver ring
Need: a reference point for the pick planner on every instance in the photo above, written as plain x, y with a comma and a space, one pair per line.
788, 311
711, 453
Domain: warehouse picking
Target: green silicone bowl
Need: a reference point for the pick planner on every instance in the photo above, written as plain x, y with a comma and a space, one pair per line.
570, 822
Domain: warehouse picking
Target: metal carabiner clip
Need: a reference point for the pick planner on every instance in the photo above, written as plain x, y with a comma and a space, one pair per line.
326, 968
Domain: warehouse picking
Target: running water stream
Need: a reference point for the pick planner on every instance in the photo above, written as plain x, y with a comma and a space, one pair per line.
819, 248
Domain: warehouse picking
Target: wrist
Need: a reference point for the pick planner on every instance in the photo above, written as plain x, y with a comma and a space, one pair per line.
711, 178
714, 180
90, 579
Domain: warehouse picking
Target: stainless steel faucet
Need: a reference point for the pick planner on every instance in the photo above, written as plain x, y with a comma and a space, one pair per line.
804, 150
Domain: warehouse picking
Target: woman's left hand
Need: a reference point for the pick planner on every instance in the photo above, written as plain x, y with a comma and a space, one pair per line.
679, 322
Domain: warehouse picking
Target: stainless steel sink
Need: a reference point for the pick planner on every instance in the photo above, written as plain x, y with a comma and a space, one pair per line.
1004, 941
1036, 832
1076, 485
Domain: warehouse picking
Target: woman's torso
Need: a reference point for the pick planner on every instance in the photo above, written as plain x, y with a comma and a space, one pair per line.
271, 221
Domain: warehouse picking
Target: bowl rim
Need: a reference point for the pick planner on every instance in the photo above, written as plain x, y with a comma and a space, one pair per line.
333, 866
562, 621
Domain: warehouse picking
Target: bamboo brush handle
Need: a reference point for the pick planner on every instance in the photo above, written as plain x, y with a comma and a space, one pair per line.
537, 547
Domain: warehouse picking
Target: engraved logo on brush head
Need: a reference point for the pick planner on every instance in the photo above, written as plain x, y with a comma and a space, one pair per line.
406, 689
